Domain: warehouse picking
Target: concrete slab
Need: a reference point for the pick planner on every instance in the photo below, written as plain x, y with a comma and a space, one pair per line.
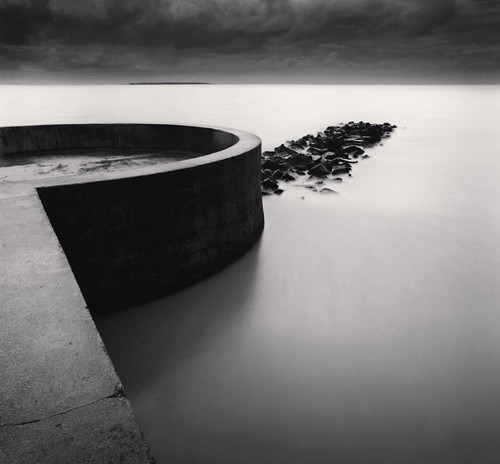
55, 370
102, 432
51, 349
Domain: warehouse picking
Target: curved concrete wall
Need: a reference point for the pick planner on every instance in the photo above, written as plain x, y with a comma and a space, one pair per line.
135, 238
202, 140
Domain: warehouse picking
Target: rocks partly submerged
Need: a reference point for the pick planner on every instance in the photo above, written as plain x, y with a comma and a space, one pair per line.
320, 157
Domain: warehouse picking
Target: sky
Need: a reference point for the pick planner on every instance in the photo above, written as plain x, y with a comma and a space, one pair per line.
250, 41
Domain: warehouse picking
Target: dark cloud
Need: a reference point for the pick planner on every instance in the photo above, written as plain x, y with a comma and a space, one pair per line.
21, 22
222, 36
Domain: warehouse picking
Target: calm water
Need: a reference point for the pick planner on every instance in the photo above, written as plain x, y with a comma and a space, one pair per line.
364, 327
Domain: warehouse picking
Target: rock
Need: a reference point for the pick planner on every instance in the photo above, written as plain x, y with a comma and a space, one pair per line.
327, 190
266, 173
319, 170
283, 150
271, 164
299, 159
340, 170
297, 145
269, 184
287, 177
318, 144
278, 191
316, 151
304, 167
333, 144
329, 155
370, 135
353, 150
277, 175
329, 152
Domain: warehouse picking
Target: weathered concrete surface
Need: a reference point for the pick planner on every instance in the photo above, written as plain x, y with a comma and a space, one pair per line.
131, 240
60, 398
102, 432
56, 376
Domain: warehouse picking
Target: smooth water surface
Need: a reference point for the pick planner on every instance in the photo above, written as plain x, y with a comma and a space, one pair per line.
364, 327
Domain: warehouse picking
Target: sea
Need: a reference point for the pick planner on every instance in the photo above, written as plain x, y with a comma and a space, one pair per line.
364, 326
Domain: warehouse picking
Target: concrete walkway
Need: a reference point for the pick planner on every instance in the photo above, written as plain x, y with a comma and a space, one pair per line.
60, 398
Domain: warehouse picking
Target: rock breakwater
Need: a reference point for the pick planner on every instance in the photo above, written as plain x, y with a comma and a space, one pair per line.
314, 161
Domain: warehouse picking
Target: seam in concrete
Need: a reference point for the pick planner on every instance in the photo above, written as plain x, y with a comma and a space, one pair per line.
117, 394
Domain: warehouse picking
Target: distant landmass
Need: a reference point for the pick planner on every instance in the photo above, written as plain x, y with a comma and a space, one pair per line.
170, 83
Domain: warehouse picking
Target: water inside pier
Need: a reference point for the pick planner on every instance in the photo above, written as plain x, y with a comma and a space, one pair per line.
62, 163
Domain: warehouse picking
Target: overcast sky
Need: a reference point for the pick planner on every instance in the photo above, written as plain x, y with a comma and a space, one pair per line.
282, 41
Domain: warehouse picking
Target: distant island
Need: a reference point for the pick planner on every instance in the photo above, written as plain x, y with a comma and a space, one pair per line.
170, 83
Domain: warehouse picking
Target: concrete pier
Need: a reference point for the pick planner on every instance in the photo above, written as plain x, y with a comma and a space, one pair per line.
127, 235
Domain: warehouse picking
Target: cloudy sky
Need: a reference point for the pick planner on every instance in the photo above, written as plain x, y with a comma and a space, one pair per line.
262, 41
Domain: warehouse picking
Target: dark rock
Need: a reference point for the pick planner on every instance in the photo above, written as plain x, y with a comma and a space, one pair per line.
319, 170
330, 155
329, 152
270, 164
304, 167
327, 190
299, 159
353, 150
269, 184
370, 135
319, 144
355, 140
279, 191
316, 151
283, 150
277, 175
333, 144
337, 162
267, 173
297, 145
340, 170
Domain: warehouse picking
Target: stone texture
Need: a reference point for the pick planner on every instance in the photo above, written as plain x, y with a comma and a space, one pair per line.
102, 432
